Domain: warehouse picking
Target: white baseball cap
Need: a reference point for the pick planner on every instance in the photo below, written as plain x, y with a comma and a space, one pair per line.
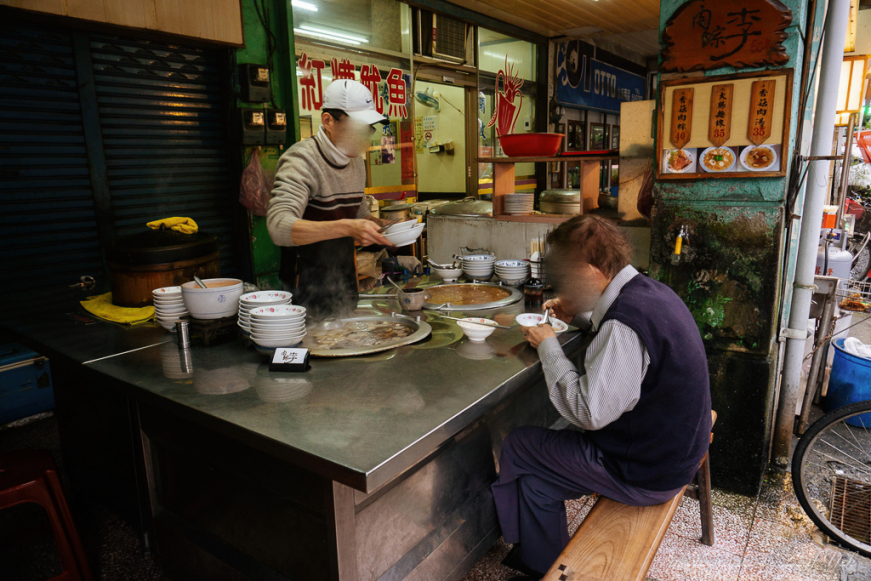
353, 98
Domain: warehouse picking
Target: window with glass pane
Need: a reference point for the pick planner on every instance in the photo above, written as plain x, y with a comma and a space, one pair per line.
390, 159
507, 93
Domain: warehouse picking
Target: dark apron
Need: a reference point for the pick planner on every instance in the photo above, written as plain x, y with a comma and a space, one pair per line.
322, 276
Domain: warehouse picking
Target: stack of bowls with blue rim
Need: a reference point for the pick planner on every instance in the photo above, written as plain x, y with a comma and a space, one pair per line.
277, 326
512, 272
478, 266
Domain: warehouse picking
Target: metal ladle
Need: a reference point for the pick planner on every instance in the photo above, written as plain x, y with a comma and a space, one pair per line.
199, 282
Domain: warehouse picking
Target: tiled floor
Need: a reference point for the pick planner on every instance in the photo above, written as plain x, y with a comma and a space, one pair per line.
766, 538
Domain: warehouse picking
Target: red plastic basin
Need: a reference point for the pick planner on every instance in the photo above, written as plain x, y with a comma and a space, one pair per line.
531, 144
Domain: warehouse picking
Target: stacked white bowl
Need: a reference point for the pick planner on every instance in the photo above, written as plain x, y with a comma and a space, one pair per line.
259, 299
404, 233
512, 272
478, 266
519, 203
277, 326
169, 307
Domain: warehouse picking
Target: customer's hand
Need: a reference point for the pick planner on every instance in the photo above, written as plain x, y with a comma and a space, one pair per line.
366, 232
535, 335
557, 311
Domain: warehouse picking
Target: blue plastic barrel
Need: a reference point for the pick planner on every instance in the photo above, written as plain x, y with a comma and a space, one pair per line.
849, 382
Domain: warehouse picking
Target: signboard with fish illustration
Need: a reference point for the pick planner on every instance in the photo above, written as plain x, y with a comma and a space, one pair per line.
747, 117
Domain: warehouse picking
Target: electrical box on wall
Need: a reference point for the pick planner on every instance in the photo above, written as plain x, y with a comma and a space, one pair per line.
276, 126
254, 82
253, 126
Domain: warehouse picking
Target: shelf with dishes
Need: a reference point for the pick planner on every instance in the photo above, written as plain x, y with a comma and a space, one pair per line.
511, 207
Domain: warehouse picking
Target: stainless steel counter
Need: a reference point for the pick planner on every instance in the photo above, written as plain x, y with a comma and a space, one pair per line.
358, 420
360, 469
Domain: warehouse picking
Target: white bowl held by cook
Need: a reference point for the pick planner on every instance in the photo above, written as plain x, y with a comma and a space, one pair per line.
401, 227
405, 237
474, 328
220, 299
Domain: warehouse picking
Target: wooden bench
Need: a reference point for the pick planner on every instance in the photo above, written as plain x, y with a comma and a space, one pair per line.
617, 542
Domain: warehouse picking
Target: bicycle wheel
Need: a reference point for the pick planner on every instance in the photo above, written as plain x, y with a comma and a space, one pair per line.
831, 475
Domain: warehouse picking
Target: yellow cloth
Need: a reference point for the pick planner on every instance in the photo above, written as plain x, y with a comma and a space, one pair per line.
101, 305
183, 225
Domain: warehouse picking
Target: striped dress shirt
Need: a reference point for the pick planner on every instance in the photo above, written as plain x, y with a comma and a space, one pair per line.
614, 366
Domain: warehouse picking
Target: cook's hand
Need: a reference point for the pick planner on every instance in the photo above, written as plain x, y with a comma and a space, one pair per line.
557, 310
535, 335
366, 232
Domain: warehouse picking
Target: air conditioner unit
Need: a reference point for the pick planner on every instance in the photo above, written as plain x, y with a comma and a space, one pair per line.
441, 37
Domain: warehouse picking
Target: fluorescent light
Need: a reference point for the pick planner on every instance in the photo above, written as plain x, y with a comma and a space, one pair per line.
333, 33
304, 5
302, 32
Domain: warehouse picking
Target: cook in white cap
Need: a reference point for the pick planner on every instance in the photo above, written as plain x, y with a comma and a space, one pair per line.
318, 211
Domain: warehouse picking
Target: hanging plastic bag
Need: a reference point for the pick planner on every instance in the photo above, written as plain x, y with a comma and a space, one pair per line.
255, 188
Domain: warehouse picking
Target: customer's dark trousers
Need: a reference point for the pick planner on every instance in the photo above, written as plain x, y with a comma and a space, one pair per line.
541, 468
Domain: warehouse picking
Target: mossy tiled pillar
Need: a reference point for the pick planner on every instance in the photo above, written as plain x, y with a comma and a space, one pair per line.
729, 274
265, 256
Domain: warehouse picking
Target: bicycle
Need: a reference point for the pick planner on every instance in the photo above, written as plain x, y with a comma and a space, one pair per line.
831, 475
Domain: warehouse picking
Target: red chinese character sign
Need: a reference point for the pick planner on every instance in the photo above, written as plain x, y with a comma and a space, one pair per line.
709, 34
370, 76
397, 94
311, 84
505, 112
343, 69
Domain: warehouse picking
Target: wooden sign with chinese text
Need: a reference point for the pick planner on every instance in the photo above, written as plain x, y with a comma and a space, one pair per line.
710, 34
681, 117
761, 111
720, 124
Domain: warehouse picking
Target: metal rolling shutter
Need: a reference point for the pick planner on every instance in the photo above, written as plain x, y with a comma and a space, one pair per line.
165, 136
49, 228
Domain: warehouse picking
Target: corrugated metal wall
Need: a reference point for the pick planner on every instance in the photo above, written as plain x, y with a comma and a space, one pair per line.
162, 144
164, 135
49, 226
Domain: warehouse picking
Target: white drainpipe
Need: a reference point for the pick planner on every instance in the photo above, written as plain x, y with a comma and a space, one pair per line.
811, 220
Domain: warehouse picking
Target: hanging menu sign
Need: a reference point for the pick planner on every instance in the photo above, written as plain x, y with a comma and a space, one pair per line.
720, 124
682, 117
761, 111
747, 117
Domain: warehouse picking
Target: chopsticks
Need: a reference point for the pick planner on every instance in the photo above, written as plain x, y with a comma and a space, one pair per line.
390, 223
476, 322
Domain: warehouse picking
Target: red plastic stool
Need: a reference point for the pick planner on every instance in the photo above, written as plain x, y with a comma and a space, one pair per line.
31, 476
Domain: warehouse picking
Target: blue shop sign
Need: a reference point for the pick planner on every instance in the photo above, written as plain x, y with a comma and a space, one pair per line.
585, 82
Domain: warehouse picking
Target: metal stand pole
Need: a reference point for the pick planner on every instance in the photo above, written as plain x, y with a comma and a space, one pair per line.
820, 342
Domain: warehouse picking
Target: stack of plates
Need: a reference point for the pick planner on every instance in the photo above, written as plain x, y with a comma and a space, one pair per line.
512, 272
478, 266
519, 203
169, 307
259, 299
277, 326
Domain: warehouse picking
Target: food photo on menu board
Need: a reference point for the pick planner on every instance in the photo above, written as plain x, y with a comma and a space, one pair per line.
721, 159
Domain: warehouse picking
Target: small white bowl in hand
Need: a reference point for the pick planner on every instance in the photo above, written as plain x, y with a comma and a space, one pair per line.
533, 320
475, 331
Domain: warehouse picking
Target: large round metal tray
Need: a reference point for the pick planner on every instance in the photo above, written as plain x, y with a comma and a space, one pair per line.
514, 296
421, 331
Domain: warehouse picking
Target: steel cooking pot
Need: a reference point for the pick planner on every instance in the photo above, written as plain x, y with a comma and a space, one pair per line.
560, 201
467, 207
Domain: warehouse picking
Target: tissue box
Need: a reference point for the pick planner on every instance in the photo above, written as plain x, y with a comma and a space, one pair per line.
25, 383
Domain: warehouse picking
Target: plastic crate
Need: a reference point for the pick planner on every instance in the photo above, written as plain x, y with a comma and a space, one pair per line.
25, 383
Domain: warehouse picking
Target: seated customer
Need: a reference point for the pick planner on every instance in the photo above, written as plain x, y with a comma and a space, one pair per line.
641, 396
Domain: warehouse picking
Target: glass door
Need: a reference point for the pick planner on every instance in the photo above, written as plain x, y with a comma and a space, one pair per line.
440, 139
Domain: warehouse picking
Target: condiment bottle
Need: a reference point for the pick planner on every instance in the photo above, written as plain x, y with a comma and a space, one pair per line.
533, 292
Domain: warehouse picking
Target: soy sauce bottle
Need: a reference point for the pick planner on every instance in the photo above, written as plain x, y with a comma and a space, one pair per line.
533, 292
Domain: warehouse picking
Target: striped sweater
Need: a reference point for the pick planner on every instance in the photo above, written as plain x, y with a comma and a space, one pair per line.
310, 184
